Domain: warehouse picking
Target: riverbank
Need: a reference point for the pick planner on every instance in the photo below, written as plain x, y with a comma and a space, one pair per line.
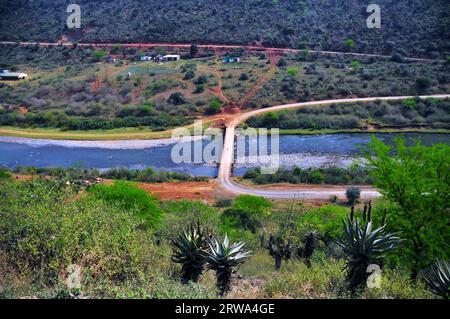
125, 134
374, 131
119, 134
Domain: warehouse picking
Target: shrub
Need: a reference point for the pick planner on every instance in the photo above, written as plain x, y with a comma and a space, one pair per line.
349, 43
45, 228
177, 98
214, 107
353, 194
243, 77
423, 83
129, 197
292, 71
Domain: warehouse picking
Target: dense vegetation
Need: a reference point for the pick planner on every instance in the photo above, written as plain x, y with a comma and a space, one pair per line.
329, 175
69, 89
127, 244
380, 114
82, 175
411, 28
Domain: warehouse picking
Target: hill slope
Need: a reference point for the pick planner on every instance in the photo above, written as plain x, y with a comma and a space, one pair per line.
412, 27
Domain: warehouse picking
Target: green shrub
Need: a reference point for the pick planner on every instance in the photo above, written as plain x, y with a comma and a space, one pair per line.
45, 228
292, 71
129, 197
353, 194
214, 107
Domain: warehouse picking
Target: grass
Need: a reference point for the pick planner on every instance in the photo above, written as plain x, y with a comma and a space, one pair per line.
135, 133
129, 133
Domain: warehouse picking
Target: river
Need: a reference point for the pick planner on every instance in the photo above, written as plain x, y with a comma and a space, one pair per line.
295, 150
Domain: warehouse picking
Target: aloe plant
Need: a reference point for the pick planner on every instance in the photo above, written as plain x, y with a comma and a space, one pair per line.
364, 246
438, 279
309, 245
224, 258
279, 248
189, 251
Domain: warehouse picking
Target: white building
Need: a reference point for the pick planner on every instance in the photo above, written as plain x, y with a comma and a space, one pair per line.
6, 75
172, 57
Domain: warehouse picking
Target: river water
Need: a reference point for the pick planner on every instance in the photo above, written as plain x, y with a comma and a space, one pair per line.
295, 150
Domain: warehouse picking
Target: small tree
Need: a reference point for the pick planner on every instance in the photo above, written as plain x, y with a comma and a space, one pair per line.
292, 71
193, 50
416, 181
243, 77
214, 107
177, 98
99, 55
423, 83
349, 43
353, 194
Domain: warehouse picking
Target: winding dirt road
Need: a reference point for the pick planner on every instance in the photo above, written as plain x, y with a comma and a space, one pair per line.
313, 193
214, 47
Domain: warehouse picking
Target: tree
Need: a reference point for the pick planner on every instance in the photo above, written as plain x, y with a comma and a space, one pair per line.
292, 71
177, 98
304, 53
214, 107
356, 65
189, 75
193, 50
243, 77
353, 194
423, 83
349, 43
99, 55
282, 62
416, 181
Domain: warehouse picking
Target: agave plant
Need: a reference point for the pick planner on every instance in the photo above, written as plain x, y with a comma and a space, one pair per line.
224, 258
189, 251
364, 246
438, 279
279, 249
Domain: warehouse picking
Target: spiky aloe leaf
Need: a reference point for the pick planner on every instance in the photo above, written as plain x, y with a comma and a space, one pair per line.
364, 246
438, 279
188, 250
224, 258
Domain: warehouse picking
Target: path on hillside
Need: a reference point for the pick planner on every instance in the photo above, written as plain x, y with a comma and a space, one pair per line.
215, 46
323, 192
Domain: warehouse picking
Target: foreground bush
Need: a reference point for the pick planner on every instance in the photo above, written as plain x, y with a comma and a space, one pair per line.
44, 228
132, 199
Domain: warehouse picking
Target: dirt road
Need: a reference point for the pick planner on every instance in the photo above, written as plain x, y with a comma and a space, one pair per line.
215, 46
232, 187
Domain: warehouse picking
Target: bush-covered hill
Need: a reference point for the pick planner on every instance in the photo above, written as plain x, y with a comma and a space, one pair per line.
411, 27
